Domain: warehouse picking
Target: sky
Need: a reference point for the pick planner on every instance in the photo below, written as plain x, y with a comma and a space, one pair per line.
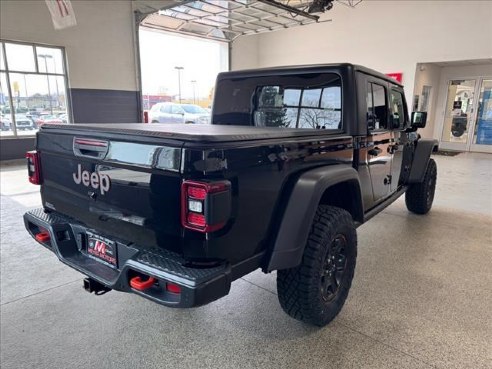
161, 52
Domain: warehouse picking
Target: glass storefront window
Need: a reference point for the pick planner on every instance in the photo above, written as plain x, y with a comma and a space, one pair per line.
20, 57
2, 60
5, 116
33, 88
50, 60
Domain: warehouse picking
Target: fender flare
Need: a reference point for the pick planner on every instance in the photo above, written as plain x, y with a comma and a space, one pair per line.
290, 241
421, 157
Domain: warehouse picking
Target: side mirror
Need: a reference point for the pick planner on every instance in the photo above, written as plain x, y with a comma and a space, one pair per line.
419, 119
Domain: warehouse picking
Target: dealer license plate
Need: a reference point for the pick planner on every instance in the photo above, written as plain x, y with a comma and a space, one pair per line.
102, 249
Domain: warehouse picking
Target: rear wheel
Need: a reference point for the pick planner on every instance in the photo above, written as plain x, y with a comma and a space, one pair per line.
315, 291
420, 196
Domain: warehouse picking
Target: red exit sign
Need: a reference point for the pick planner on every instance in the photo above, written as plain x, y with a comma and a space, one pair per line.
397, 76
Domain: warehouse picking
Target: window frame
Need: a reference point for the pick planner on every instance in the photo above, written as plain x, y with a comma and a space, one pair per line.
403, 125
370, 84
7, 72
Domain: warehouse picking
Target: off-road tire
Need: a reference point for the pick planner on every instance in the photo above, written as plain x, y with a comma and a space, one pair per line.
301, 290
420, 196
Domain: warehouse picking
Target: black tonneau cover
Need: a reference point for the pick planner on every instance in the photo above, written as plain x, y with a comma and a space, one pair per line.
188, 132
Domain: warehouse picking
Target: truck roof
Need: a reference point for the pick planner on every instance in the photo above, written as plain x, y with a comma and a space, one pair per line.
309, 68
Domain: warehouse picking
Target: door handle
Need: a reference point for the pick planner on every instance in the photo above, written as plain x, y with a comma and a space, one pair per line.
375, 152
90, 148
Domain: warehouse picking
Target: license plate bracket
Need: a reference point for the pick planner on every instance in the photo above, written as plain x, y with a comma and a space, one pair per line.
102, 249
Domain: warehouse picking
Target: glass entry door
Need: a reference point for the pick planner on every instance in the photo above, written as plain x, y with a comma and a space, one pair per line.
459, 114
468, 115
482, 137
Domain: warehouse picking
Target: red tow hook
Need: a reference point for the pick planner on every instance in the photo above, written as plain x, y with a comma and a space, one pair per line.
43, 236
138, 284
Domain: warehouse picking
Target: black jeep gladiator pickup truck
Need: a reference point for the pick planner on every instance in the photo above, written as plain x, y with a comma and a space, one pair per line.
294, 161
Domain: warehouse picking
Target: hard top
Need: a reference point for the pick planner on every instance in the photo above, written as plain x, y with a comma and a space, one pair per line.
310, 68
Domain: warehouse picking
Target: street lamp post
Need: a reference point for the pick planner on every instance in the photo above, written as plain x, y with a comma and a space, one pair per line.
193, 83
179, 69
46, 56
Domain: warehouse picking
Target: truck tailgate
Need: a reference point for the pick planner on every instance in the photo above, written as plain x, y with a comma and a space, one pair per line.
124, 187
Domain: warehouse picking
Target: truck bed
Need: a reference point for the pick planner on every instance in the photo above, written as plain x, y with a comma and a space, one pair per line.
188, 132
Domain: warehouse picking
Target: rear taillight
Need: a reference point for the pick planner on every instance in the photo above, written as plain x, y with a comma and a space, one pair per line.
34, 167
205, 206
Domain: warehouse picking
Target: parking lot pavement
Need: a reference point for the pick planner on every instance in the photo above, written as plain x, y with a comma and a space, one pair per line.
421, 298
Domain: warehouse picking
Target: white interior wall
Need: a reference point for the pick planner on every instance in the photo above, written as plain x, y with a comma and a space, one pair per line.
244, 53
389, 36
100, 49
428, 75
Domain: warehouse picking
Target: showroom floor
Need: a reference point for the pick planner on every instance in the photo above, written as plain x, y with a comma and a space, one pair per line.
421, 298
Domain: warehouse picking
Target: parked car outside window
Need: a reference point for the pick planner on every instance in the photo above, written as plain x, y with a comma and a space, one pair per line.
178, 113
23, 123
48, 119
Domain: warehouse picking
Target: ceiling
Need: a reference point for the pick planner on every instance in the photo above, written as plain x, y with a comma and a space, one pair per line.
226, 20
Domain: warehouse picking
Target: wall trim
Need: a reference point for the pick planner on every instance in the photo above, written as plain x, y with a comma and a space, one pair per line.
16, 147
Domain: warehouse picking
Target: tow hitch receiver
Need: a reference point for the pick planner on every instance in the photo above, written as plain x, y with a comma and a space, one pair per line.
138, 284
90, 285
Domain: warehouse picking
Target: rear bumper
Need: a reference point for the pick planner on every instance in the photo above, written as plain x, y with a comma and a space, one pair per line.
68, 242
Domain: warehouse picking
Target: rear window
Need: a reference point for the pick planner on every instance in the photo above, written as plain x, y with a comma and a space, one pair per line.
309, 101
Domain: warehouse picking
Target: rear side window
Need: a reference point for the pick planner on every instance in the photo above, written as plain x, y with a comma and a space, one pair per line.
310, 101
317, 108
377, 109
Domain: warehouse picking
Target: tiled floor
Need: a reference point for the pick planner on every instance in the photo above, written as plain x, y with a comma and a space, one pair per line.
421, 298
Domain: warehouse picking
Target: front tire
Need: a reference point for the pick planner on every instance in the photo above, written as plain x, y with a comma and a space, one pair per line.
420, 196
315, 291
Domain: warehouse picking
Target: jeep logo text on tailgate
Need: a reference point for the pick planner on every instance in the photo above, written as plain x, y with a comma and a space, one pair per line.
95, 179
